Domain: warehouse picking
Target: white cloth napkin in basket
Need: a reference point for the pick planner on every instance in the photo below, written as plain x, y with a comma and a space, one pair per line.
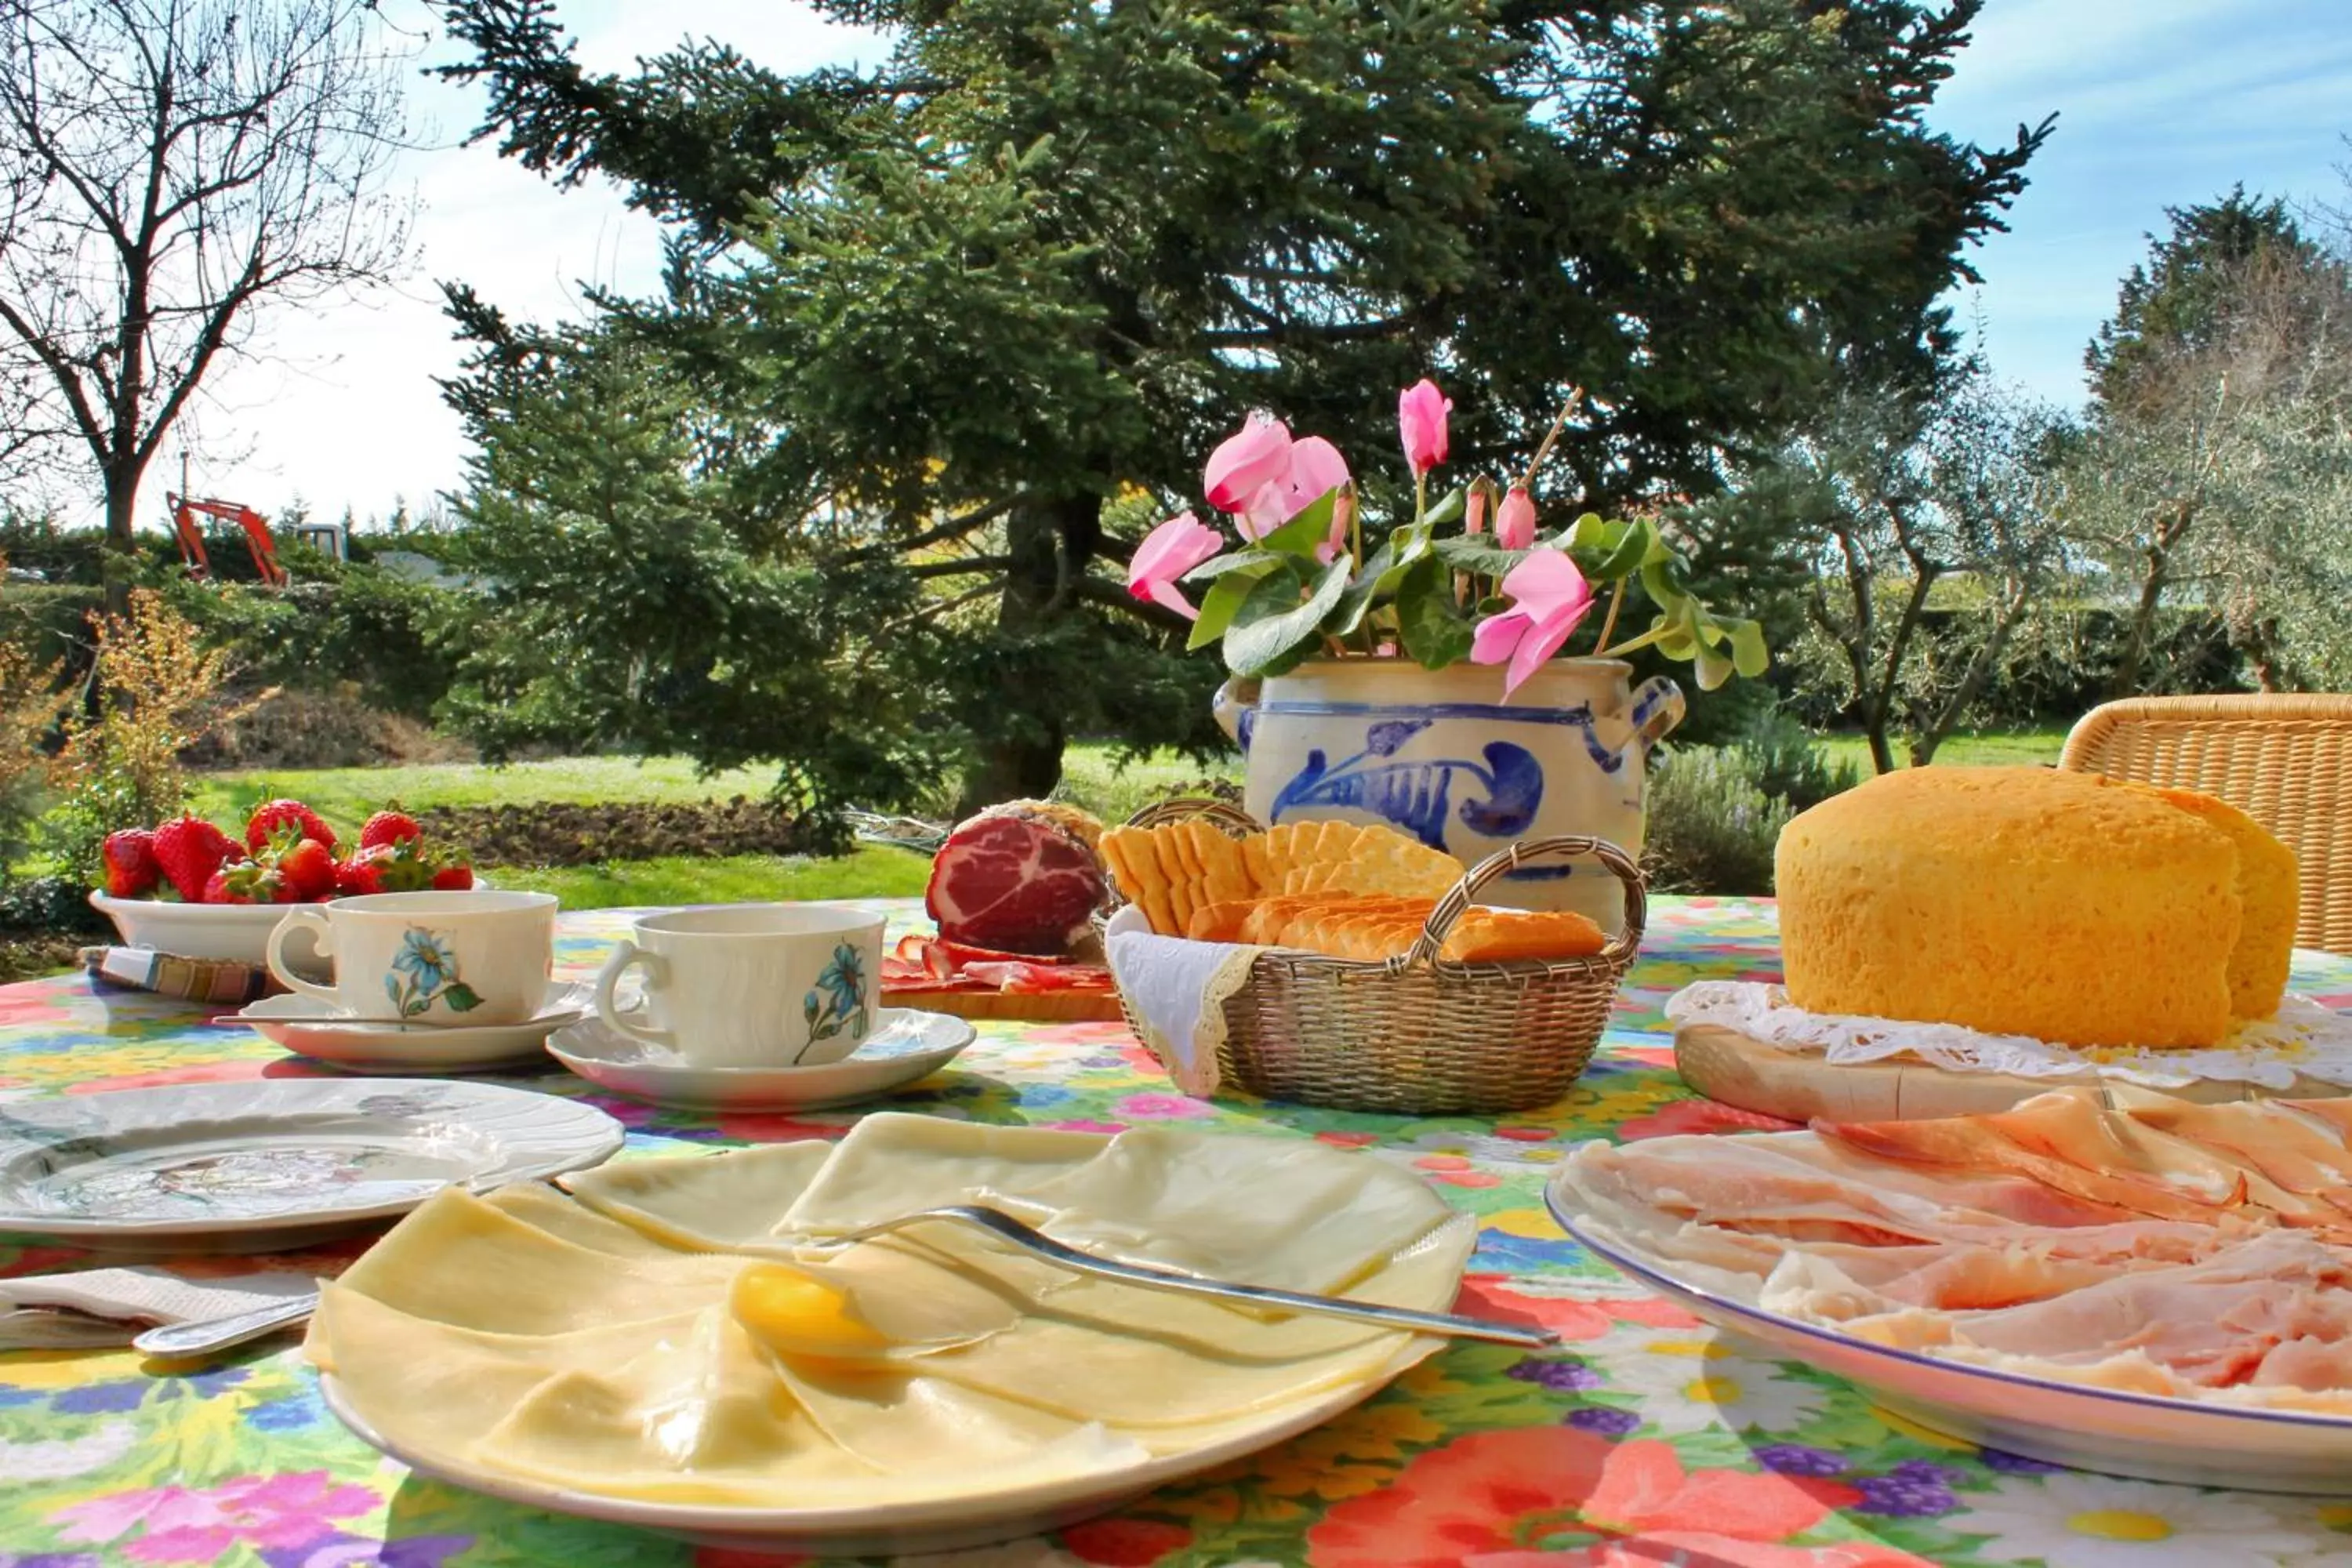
1178, 989
101, 1306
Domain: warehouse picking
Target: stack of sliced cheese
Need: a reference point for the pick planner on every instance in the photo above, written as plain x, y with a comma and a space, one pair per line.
674, 1330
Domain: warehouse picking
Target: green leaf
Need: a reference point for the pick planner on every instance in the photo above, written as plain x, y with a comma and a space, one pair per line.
1434, 630
1237, 561
1227, 595
1380, 576
1627, 554
1585, 534
1480, 555
1446, 512
1302, 534
1749, 655
1272, 624
461, 997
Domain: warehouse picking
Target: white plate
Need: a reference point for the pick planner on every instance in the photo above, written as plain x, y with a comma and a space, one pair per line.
395, 1048
274, 1163
906, 1045
2076, 1425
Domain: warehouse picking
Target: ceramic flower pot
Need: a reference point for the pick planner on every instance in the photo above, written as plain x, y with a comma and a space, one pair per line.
1440, 755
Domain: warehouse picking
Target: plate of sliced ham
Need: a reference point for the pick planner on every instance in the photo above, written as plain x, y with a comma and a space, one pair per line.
2126, 1282
945, 977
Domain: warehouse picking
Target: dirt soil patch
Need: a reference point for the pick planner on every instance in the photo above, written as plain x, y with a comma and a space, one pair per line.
551, 833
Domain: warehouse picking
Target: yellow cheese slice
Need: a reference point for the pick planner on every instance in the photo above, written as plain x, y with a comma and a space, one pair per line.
539, 1205
456, 1259
708, 1202
680, 1330
894, 1163
1288, 1212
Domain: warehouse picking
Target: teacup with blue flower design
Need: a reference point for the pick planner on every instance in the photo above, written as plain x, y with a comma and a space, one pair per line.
742, 985
445, 959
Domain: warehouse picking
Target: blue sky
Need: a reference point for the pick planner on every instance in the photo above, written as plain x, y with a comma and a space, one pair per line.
2160, 103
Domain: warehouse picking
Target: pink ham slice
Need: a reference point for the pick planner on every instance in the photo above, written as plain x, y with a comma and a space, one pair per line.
1019, 879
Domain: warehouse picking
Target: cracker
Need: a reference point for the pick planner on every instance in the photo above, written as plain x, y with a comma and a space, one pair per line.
1260, 871
1223, 875
1118, 849
1221, 922
1178, 883
1498, 936
1383, 860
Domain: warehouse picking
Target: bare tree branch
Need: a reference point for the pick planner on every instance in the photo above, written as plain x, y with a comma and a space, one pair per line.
169, 168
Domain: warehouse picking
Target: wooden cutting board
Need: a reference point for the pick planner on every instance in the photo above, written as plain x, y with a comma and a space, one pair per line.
1754, 1075
1042, 1007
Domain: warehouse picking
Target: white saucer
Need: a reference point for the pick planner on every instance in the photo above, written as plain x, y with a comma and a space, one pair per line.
361, 1045
906, 1045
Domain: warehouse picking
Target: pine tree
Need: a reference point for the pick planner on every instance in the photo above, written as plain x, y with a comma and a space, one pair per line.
982, 311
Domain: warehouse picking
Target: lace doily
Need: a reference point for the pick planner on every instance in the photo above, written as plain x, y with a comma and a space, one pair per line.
2304, 1038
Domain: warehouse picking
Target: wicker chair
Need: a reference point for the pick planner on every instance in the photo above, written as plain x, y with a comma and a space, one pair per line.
2286, 762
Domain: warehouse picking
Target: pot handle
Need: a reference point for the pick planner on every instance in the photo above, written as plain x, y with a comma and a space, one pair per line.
1657, 706
1236, 708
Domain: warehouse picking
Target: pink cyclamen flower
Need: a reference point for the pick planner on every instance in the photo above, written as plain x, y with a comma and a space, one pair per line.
1314, 468
1515, 519
1246, 463
1421, 421
1549, 596
1473, 511
1167, 552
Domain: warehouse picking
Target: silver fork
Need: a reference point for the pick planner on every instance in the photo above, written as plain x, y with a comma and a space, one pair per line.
998, 1223
178, 1341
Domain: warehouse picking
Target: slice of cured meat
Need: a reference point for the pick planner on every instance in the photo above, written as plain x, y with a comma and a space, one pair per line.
1020, 879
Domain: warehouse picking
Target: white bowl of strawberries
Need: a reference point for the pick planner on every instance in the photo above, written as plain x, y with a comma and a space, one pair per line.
186, 888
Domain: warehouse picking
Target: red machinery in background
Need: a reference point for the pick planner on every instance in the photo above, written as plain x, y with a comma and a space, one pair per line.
257, 537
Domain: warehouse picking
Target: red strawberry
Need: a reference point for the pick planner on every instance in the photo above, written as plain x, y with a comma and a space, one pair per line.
453, 878
217, 891
362, 873
188, 850
388, 827
130, 869
253, 882
272, 814
308, 868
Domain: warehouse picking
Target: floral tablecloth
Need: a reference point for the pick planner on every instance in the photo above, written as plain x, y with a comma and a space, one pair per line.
1643, 1443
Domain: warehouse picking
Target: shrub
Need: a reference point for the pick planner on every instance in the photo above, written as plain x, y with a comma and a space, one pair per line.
390, 637
158, 690
1791, 765
33, 699
1711, 827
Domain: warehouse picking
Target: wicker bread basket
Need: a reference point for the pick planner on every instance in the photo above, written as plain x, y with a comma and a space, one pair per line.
1418, 1035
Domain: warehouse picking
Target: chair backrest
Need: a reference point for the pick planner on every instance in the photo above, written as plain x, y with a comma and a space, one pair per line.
2286, 762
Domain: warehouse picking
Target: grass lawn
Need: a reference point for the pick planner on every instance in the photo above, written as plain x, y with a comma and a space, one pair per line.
1994, 747
346, 796
871, 872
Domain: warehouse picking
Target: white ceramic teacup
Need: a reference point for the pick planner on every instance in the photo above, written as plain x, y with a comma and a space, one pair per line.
750, 985
458, 958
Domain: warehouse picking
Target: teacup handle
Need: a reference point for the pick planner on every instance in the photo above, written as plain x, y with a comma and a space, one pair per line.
627, 956
322, 935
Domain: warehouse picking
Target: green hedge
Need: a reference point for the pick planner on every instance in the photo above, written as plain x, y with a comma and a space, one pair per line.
49, 620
